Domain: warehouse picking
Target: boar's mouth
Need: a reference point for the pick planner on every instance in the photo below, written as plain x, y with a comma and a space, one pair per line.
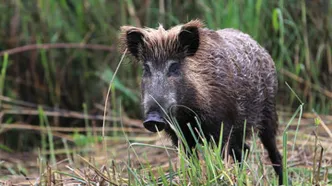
154, 122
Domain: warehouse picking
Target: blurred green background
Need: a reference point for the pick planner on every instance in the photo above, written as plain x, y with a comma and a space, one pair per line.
66, 77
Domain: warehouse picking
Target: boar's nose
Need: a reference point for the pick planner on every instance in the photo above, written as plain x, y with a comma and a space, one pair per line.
154, 121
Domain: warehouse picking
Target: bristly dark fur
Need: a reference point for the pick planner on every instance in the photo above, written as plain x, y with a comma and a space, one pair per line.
229, 78
158, 43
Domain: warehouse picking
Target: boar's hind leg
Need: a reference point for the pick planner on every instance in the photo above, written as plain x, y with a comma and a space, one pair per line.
268, 137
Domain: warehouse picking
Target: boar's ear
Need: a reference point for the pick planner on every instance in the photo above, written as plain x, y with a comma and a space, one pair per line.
132, 39
189, 37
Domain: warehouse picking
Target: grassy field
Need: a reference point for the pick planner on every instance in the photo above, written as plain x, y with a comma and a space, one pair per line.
58, 62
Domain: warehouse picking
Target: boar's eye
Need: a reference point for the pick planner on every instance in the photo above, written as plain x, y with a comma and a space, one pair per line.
174, 69
146, 70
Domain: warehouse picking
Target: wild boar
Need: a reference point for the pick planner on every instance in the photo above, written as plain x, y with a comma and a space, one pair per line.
221, 76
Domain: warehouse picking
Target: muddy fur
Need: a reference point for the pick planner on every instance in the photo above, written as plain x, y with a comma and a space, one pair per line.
227, 78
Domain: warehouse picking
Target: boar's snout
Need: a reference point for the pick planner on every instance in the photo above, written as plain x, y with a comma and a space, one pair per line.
154, 121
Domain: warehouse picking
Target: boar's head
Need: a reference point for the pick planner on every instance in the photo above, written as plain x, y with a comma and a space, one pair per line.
162, 54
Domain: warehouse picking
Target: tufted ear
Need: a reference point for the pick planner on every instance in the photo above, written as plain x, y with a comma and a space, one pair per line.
132, 38
189, 37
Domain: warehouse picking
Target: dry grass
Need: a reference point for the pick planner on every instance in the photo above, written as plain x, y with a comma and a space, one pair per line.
91, 165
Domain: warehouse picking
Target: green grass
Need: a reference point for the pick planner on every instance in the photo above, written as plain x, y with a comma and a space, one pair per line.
3, 75
211, 169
